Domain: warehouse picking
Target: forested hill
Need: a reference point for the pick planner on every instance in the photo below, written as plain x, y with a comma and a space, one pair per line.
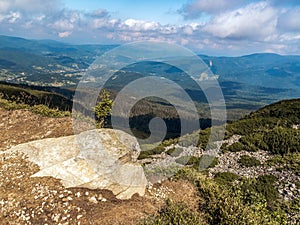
273, 128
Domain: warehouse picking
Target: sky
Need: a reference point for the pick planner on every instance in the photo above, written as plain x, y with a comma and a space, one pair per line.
213, 27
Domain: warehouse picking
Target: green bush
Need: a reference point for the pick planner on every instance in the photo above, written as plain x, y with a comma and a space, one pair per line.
248, 161
263, 185
203, 162
188, 160
249, 125
46, 111
148, 153
225, 178
283, 140
38, 109
255, 141
287, 162
235, 147
175, 152
207, 161
10, 105
225, 206
239, 146
228, 205
174, 213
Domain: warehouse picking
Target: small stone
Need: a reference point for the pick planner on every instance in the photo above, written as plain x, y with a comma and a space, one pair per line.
79, 216
100, 197
56, 218
78, 194
86, 193
93, 200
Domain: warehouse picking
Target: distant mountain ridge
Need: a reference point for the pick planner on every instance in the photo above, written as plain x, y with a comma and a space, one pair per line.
248, 82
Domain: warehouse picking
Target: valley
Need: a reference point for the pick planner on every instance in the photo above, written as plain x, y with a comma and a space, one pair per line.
241, 171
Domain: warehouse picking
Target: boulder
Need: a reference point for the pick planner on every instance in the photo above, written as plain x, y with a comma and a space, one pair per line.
95, 159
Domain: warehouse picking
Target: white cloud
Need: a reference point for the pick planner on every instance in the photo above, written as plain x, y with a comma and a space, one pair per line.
64, 34
290, 20
5, 5
138, 25
196, 8
63, 25
170, 29
105, 23
99, 13
190, 28
232, 26
13, 17
30, 6
65, 20
40, 17
256, 22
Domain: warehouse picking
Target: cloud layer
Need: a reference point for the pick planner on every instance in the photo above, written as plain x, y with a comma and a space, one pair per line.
213, 27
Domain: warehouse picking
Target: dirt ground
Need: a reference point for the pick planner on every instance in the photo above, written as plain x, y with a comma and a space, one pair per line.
20, 126
28, 200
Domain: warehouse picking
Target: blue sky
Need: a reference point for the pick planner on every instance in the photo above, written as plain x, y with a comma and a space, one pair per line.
163, 11
214, 27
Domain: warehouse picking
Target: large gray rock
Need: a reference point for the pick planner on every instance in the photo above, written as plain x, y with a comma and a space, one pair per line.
104, 159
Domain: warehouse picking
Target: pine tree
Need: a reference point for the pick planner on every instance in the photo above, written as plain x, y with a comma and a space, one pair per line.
103, 108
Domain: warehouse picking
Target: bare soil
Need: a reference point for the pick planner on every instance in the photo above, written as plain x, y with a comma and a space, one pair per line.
20, 126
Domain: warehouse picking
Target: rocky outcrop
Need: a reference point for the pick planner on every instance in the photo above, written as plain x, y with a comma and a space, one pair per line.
96, 159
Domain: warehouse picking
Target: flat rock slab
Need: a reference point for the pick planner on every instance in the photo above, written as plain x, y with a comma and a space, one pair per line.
95, 159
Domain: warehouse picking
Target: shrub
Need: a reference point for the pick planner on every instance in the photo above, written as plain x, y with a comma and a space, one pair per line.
207, 161
248, 161
174, 213
46, 111
263, 185
225, 178
203, 162
175, 152
236, 147
283, 140
287, 162
148, 153
10, 105
227, 205
38, 109
254, 141
187, 160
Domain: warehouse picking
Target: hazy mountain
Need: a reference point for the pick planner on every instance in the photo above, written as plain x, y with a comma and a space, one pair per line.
248, 82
